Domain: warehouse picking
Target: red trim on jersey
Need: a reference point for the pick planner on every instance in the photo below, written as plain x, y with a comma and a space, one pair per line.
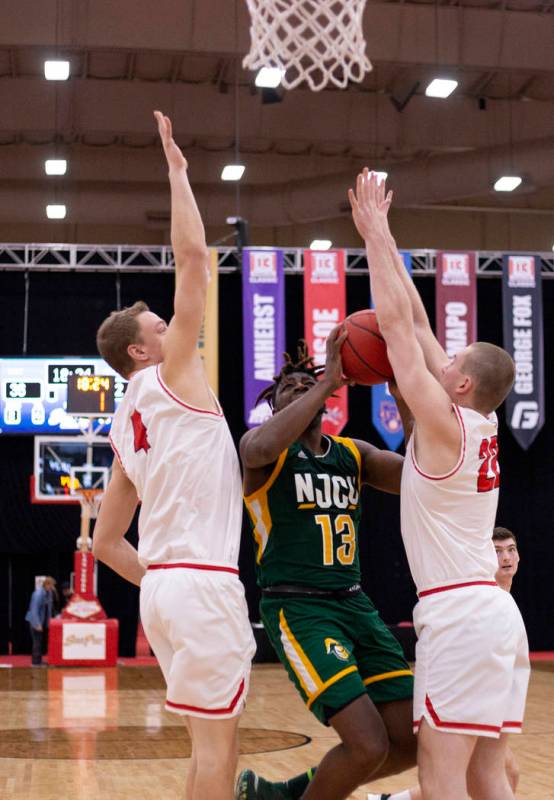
186, 565
459, 725
216, 711
425, 592
116, 451
181, 403
512, 724
460, 460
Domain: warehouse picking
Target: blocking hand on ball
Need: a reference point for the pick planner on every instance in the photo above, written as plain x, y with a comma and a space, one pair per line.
333, 363
370, 205
173, 154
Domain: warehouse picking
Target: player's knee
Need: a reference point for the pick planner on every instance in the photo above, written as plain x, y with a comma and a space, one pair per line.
403, 753
512, 770
368, 753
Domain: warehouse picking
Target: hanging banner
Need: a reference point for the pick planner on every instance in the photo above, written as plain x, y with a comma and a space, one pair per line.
384, 411
263, 325
208, 341
456, 301
523, 339
325, 307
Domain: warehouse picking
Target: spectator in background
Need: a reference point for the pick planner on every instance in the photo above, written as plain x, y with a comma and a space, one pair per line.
38, 616
505, 545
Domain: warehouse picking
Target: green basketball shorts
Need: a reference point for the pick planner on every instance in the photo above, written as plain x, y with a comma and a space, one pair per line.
336, 650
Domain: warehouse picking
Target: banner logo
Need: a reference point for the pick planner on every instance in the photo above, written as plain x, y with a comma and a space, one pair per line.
390, 416
521, 271
455, 269
324, 268
455, 324
263, 267
525, 415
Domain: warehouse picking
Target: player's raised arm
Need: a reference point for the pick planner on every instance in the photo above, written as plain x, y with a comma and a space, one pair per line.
435, 355
191, 257
428, 401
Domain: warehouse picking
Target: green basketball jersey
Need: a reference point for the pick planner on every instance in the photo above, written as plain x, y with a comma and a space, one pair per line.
305, 517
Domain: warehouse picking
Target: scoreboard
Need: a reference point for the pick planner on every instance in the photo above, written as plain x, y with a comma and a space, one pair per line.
34, 394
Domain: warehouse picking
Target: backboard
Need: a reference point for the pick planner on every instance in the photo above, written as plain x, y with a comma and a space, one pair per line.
63, 464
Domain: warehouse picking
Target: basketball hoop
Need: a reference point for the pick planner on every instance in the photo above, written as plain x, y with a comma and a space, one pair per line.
90, 500
312, 41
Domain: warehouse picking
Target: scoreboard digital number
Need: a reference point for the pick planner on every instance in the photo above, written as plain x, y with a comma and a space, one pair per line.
91, 395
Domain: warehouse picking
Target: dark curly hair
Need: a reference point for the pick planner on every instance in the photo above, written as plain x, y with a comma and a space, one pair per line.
304, 364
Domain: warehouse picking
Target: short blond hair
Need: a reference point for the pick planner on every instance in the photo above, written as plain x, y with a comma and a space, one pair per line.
493, 371
116, 333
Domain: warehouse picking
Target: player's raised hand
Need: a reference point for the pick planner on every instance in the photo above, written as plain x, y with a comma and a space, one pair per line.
173, 154
370, 205
333, 362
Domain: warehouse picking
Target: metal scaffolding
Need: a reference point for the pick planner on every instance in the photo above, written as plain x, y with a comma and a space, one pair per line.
159, 258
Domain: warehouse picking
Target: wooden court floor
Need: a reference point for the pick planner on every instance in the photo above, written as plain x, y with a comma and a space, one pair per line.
103, 735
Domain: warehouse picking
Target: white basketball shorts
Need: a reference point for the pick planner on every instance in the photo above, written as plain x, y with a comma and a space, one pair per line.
196, 621
472, 661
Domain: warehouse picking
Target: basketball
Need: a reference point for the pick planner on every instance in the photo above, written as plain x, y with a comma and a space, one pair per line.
364, 352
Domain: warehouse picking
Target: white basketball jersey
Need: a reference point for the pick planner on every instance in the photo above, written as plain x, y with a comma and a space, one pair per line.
185, 468
447, 520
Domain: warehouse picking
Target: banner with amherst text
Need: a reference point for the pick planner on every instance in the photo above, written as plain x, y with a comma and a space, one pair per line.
523, 339
456, 301
384, 411
263, 315
325, 307
208, 341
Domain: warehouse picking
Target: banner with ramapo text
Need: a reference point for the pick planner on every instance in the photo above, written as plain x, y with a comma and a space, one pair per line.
456, 301
208, 341
384, 411
325, 307
263, 317
523, 339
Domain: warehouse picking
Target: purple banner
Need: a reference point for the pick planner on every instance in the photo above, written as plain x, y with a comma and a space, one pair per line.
263, 326
384, 411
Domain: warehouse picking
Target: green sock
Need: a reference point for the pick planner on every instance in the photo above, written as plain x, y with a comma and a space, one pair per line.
295, 787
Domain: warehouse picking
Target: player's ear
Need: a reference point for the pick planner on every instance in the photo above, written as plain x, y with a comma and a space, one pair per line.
137, 352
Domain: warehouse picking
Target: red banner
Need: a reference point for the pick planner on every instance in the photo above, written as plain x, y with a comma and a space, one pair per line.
325, 307
456, 301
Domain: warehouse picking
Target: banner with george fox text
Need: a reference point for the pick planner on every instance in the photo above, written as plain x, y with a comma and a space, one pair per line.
523, 339
325, 307
263, 323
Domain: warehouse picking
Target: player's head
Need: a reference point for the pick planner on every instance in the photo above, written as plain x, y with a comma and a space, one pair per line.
131, 339
49, 583
294, 379
480, 376
505, 544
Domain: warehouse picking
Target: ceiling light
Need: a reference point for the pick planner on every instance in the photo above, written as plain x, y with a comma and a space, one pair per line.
56, 70
507, 183
440, 87
321, 244
232, 172
269, 77
55, 166
56, 212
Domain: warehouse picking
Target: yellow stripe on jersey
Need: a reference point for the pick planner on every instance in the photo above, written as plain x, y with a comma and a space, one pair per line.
299, 661
330, 682
385, 676
348, 443
258, 508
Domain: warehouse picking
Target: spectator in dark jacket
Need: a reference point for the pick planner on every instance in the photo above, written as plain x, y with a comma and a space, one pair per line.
38, 616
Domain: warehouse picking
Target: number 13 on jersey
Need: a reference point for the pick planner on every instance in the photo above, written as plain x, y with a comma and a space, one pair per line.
342, 526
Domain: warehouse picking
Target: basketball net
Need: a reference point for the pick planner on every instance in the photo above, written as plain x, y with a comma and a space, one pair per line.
90, 500
313, 41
